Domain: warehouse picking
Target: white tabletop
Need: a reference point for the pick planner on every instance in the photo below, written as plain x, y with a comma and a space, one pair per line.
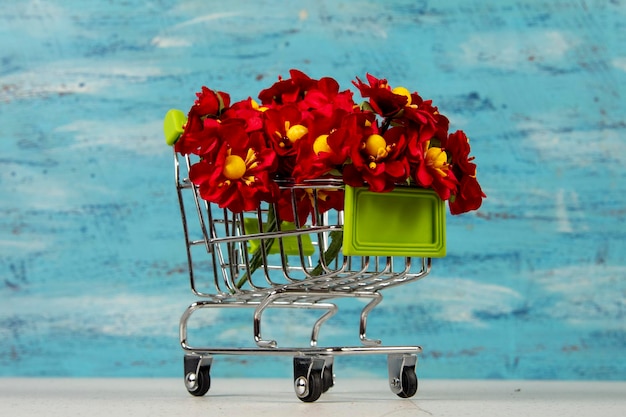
275, 397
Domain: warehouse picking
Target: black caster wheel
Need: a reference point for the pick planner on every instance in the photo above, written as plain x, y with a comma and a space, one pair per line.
309, 389
312, 376
328, 380
402, 376
409, 383
198, 374
198, 383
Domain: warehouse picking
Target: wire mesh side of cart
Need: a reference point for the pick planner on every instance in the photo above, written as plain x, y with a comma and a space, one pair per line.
245, 256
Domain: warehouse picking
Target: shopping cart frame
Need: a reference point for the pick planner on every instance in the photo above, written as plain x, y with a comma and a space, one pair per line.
223, 237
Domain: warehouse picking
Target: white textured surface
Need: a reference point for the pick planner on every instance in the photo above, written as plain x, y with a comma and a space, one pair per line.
275, 397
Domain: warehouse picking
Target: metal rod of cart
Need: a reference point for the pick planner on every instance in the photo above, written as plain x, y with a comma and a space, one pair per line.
257, 261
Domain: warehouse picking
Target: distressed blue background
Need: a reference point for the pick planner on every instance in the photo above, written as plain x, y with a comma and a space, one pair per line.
92, 267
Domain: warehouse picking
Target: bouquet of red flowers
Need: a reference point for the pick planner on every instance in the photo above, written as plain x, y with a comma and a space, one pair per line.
304, 129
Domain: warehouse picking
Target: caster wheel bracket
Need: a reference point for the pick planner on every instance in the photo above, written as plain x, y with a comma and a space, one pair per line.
197, 374
312, 376
402, 377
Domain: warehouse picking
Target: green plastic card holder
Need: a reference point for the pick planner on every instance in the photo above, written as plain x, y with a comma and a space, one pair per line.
404, 222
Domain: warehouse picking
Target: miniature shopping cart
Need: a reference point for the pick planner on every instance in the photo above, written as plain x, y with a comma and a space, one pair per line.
259, 262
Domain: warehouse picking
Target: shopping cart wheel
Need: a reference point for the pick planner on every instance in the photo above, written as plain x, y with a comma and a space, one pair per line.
409, 383
328, 379
308, 389
402, 376
310, 378
198, 384
197, 374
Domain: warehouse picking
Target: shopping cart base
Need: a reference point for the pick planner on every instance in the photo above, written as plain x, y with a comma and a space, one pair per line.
312, 368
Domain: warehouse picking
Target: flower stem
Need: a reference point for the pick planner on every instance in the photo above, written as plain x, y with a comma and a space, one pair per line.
264, 248
336, 241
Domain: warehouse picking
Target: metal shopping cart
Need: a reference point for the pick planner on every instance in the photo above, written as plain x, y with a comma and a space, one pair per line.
256, 261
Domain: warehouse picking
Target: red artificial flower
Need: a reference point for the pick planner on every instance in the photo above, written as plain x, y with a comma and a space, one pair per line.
289, 90
378, 161
468, 197
200, 136
326, 148
248, 111
457, 145
424, 118
284, 130
303, 203
469, 194
381, 98
324, 98
239, 177
200, 132
211, 103
431, 170
283, 126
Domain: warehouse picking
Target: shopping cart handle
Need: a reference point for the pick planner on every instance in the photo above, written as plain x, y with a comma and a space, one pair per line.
173, 125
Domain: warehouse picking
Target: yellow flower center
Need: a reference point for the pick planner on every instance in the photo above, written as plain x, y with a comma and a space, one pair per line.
295, 132
256, 106
376, 147
321, 145
401, 91
437, 159
234, 167
321, 195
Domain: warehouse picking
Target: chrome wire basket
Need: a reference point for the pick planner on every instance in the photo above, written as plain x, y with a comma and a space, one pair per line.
256, 260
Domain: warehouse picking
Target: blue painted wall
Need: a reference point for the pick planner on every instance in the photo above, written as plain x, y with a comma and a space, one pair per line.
92, 266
